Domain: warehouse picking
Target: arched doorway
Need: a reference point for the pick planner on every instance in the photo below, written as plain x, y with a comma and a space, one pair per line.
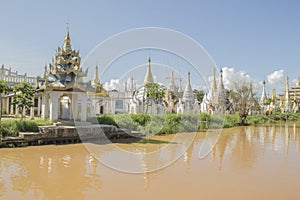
65, 108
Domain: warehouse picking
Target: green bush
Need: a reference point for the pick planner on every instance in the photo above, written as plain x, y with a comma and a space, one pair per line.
141, 119
125, 121
231, 121
189, 122
106, 119
12, 127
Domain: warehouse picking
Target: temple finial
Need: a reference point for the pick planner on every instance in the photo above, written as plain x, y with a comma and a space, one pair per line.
67, 41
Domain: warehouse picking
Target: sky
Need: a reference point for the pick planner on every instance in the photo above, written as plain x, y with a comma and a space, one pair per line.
256, 39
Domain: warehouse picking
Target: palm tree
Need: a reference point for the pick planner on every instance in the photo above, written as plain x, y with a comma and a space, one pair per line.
24, 92
3, 89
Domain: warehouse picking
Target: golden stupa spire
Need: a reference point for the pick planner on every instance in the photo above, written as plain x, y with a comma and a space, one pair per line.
214, 82
67, 41
287, 96
274, 95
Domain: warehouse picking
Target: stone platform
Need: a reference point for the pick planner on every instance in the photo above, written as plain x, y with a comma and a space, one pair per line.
63, 134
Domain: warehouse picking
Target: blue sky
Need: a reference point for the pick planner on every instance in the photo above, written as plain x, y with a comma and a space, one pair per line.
257, 37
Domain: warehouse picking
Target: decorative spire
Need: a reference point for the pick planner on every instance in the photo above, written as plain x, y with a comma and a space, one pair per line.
67, 41
287, 96
221, 84
263, 94
214, 82
96, 80
45, 71
180, 86
188, 92
221, 89
274, 95
148, 78
172, 82
251, 91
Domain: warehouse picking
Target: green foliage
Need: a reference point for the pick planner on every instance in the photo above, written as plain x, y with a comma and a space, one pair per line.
12, 127
199, 94
142, 119
125, 121
231, 121
151, 141
189, 122
42, 122
24, 92
173, 123
268, 101
216, 121
106, 119
155, 91
3, 89
257, 119
155, 124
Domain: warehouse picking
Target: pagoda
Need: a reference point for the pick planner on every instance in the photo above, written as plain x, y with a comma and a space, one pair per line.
62, 94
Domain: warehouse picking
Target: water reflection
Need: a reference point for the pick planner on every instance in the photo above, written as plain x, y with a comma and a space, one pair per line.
41, 169
70, 172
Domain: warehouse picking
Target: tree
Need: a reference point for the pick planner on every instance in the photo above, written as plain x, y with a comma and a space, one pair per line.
3, 89
154, 93
242, 99
267, 101
24, 92
199, 94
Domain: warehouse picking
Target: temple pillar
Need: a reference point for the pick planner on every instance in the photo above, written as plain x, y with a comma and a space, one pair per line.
75, 106
39, 106
71, 116
83, 107
45, 106
7, 105
32, 109
54, 106
12, 106
16, 110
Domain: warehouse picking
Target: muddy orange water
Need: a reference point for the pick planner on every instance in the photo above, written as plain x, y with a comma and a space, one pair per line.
246, 163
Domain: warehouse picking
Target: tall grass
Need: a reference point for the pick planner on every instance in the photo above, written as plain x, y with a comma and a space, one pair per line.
12, 127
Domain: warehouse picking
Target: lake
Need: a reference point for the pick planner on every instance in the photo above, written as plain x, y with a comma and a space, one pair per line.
245, 163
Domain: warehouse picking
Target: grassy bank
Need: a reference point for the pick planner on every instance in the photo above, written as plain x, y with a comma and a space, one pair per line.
12, 127
173, 123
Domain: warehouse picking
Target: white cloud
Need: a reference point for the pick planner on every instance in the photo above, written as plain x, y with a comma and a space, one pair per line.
275, 78
230, 76
113, 84
294, 81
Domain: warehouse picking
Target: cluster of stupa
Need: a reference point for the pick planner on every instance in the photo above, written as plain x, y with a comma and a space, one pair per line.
216, 100
174, 100
61, 94
286, 102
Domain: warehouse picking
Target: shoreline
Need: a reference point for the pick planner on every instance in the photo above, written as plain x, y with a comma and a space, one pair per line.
60, 135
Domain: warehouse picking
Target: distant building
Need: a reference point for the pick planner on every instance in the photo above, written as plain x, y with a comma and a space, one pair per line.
12, 78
